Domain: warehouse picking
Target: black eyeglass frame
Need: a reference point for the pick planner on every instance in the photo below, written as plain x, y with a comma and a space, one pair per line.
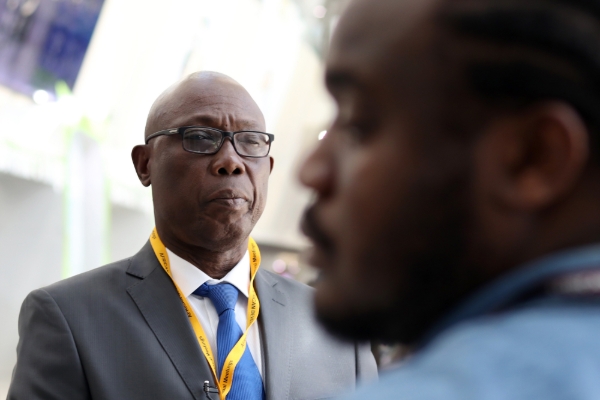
224, 134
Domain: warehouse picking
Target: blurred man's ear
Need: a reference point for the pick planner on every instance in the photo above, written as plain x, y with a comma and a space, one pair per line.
141, 161
272, 161
529, 160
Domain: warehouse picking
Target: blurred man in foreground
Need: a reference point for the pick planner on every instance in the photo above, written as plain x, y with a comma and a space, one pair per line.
192, 306
458, 195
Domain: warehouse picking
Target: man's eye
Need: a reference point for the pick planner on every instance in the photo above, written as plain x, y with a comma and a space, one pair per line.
253, 140
360, 131
355, 127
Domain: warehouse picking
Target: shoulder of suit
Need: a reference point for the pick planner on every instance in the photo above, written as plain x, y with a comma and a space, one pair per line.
113, 276
292, 293
97, 277
281, 282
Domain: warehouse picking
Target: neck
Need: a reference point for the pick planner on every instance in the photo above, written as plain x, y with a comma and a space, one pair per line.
214, 263
577, 225
572, 223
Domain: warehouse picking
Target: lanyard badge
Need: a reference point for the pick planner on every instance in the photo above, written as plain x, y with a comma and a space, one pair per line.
227, 374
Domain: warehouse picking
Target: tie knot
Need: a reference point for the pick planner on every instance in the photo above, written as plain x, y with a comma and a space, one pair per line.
224, 295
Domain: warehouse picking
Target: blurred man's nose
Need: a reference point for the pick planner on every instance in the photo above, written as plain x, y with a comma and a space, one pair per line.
316, 171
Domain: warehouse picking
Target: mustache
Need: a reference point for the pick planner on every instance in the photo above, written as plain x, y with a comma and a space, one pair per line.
312, 229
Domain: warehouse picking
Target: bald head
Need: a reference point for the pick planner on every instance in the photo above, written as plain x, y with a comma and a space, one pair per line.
205, 98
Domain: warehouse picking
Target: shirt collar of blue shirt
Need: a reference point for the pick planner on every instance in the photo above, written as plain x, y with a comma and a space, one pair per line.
507, 289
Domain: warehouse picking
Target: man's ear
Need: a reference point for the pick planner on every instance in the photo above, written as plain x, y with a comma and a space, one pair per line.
530, 160
272, 161
141, 161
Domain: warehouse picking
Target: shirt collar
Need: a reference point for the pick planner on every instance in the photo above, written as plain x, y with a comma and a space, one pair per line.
504, 290
189, 278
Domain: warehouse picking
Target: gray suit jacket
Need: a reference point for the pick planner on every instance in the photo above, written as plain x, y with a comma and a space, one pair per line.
120, 332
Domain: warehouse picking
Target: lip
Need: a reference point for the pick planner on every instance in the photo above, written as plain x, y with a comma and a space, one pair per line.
235, 202
322, 249
228, 197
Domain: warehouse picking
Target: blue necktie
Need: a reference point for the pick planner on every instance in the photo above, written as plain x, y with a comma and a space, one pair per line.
247, 382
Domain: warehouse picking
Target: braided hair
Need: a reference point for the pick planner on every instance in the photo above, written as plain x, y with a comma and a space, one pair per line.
531, 51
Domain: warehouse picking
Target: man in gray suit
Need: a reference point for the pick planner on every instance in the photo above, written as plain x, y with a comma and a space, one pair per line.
161, 323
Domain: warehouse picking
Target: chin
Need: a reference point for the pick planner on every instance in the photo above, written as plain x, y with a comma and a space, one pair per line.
337, 314
353, 319
223, 231
352, 326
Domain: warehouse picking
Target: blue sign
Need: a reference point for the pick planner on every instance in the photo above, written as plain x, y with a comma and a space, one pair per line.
44, 41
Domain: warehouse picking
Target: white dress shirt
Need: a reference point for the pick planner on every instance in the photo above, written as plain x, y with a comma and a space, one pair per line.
189, 278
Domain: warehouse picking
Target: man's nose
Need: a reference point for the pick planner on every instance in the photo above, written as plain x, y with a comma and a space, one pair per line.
227, 161
316, 171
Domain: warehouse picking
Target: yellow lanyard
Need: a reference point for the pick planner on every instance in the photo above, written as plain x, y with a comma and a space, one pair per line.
226, 379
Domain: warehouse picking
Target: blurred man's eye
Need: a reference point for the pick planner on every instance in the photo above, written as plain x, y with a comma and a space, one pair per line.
359, 133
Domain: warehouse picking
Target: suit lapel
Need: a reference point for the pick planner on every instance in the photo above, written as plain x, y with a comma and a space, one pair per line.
276, 335
158, 301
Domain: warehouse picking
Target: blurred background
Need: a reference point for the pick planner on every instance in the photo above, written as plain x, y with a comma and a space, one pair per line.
77, 78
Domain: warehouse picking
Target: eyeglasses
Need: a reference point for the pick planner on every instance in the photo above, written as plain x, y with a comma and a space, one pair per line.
206, 140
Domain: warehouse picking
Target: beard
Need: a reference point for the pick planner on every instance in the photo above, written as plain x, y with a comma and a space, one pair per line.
424, 250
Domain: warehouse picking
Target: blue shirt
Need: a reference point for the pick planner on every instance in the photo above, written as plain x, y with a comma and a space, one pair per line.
495, 347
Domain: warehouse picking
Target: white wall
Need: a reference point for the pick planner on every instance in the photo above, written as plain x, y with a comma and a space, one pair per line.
129, 231
31, 250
